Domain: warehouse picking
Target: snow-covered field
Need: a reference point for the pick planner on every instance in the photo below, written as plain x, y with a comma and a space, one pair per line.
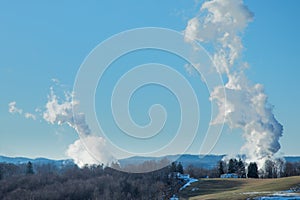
283, 195
279, 198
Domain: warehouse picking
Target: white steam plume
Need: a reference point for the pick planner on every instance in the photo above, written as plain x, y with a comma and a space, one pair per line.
220, 23
81, 156
65, 112
62, 113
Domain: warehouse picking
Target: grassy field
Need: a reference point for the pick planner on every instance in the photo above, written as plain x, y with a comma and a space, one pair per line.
237, 189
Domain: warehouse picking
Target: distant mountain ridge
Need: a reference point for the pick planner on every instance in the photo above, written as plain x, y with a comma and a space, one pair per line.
292, 159
38, 161
208, 161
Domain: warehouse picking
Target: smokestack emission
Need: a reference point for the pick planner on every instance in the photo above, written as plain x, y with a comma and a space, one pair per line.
65, 112
220, 25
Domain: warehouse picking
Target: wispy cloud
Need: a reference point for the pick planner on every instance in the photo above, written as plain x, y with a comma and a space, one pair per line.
30, 116
12, 108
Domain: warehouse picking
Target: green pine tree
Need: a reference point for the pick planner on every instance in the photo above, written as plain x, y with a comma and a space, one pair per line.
29, 168
241, 169
252, 170
173, 167
221, 168
179, 168
233, 166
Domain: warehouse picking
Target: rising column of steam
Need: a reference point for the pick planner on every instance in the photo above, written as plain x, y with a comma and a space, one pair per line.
65, 112
219, 25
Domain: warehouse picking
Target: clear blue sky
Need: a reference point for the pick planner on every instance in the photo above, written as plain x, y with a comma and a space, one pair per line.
41, 40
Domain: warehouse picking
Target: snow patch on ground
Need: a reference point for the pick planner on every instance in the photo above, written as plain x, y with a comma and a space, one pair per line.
282, 195
279, 198
255, 193
190, 181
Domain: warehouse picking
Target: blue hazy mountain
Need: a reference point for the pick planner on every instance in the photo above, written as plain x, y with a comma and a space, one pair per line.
208, 161
37, 161
292, 159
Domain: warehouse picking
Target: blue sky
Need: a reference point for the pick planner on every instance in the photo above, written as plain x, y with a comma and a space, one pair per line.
45, 40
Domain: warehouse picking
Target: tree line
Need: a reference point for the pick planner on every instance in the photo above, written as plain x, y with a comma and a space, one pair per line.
30, 181
272, 168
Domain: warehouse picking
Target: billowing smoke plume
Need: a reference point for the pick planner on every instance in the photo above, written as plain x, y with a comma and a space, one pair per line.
62, 113
220, 24
65, 112
98, 153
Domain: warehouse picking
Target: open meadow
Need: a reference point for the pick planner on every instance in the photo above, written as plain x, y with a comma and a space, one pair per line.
237, 189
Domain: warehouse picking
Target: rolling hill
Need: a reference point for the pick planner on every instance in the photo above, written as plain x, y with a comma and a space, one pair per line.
208, 161
238, 189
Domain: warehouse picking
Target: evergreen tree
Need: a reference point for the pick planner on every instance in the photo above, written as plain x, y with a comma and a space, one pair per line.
233, 166
173, 167
179, 168
221, 168
241, 169
252, 170
29, 168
